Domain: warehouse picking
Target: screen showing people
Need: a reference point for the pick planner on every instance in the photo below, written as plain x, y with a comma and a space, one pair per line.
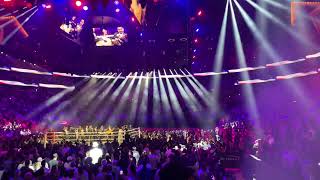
105, 37
73, 27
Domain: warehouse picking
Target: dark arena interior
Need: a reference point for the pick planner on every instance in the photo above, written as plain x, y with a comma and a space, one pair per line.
160, 89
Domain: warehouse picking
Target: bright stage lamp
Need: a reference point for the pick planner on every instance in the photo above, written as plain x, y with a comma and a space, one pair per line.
117, 10
78, 3
85, 8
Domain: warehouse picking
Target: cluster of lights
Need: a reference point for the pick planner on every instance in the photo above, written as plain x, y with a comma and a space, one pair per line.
196, 32
116, 3
79, 4
47, 6
117, 10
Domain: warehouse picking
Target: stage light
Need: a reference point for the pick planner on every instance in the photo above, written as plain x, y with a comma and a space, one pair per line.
135, 97
7, 0
200, 13
195, 103
132, 19
194, 50
175, 105
193, 57
85, 8
19, 28
78, 3
196, 40
121, 100
116, 2
164, 101
200, 90
156, 104
197, 30
141, 34
248, 90
278, 21
117, 10
219, 55
47, 6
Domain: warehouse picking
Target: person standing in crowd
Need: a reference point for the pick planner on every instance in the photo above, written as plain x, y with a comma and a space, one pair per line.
135, 154
95, 153
54, 161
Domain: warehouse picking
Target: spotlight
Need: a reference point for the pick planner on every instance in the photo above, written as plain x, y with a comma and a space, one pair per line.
196, 40
132, 19
200, 13
85, 8
141, 34
116, 2
197, 30
194, 50
78, 3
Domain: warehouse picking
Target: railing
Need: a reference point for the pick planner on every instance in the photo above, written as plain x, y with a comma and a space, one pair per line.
103, 136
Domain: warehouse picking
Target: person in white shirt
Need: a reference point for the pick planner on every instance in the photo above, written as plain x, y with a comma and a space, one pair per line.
135, 154
67, 165
37, 165
54, 161
95, 153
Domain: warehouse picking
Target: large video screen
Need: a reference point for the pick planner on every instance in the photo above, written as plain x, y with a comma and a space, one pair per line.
73, 27
109, 36
106, 30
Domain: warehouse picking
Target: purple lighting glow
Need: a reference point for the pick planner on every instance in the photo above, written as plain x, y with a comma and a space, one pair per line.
117, 10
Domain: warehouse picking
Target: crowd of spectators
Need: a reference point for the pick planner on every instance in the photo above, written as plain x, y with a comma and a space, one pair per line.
157, 154
230, 151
